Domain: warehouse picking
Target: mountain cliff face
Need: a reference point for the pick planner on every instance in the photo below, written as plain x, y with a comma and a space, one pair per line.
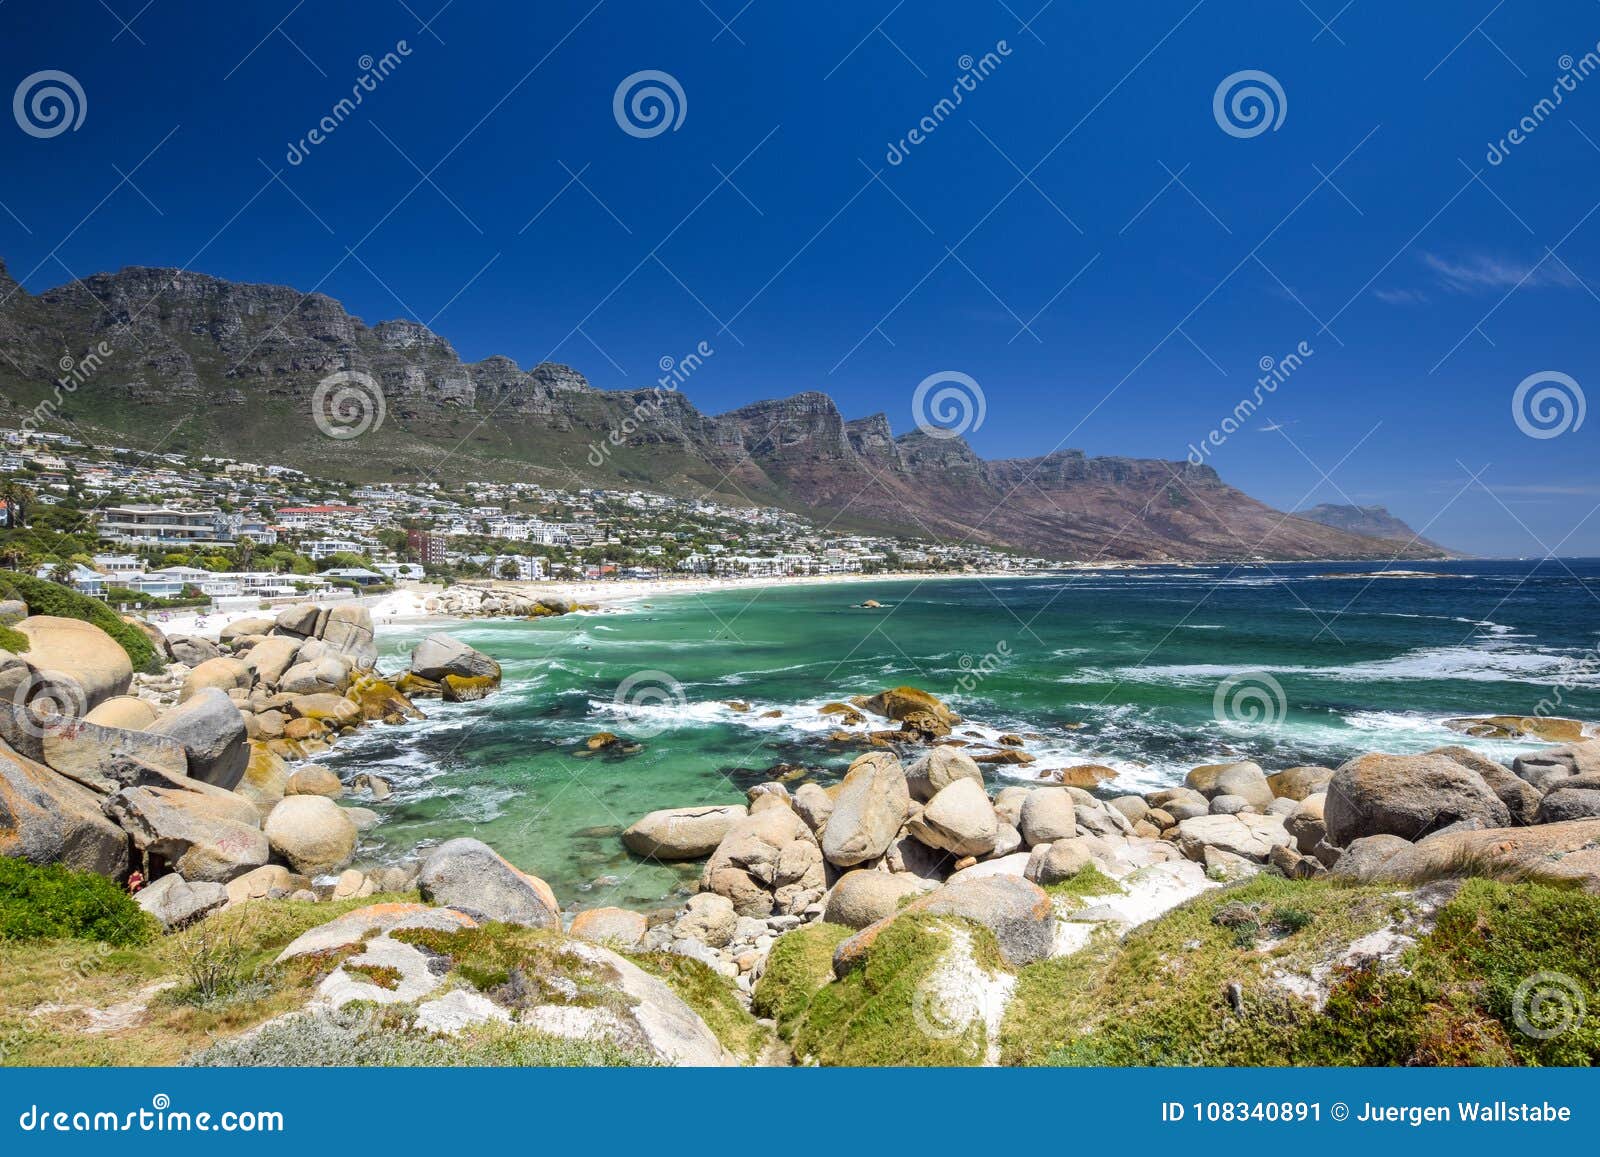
1372, 521
201, 365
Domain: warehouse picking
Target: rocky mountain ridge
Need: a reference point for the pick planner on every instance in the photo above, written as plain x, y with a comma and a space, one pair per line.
203, 365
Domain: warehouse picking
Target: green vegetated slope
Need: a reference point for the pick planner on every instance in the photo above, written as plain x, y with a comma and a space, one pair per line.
1261, 973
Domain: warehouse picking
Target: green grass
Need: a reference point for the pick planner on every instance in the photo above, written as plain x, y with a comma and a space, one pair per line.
1089, 881
1162, 995
879, 1013
14, 641
800, 963
49, 902
712, 996
48, 598
79, 974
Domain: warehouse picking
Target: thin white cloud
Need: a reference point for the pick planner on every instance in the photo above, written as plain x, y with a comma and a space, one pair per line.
1486, 273
1400, 296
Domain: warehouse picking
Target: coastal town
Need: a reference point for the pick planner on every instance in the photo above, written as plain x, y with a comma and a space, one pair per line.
149, 529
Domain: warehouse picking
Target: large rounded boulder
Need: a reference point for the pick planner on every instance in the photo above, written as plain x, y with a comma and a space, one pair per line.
683, 833
470, 876
872, 804
213, 733
1407, 796
312, 833
81, 651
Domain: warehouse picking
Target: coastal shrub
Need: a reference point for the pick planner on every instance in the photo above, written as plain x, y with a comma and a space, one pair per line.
800, 963
1228, 979
14, 641
49, 902
48, 598
216, 966
362, 1036
520, 967
1164, 995
1507, 976
882, 1013
1087, 881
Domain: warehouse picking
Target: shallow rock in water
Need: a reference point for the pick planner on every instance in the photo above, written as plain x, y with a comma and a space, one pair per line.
872, 804
1085, 775
1549, 728
312, 833
175, 901
690, 833
915, 709
467, 874
1407, 796
864, 896
440, 654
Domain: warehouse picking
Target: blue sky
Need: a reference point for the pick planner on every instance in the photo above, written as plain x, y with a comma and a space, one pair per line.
1080, 235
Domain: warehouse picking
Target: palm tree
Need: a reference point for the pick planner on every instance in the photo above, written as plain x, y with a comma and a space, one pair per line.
61, 574
245, 552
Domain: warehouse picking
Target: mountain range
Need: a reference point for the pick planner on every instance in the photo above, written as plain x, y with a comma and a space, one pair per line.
196, 364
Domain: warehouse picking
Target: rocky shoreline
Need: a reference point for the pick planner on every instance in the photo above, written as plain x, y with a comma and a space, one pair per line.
202, 781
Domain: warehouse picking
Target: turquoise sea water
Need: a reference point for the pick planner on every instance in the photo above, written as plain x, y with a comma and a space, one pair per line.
1152, 671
